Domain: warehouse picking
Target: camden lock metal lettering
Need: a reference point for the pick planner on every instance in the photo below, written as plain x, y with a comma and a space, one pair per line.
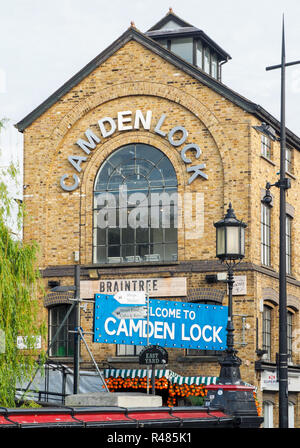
127, 120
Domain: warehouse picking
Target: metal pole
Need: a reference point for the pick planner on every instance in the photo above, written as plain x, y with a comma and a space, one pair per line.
93, 359
283, 367
230, 364
230, 327
283, 185
153, 379
76, 334
147, 298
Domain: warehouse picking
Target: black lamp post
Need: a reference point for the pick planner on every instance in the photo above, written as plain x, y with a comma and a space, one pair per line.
230, 249
283, 184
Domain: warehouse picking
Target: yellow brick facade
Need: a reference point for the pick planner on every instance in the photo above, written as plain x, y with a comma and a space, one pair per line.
135, 78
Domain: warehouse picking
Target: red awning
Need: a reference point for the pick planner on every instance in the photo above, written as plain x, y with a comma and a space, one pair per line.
114, 417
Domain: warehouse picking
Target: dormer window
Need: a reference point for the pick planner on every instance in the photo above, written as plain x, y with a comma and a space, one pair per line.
190, 44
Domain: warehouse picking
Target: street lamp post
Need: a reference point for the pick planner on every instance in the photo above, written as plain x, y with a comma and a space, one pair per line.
283, 184
230, 249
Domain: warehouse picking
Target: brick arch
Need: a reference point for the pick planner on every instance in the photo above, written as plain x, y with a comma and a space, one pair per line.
293, 302
170, 93
95, 162
270, 295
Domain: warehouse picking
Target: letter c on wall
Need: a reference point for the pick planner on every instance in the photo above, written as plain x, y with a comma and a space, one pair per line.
69, 187
186, 148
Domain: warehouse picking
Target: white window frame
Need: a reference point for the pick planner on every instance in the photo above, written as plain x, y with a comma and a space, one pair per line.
268, 414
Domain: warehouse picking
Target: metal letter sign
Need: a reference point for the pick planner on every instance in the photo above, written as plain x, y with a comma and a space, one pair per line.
170, 324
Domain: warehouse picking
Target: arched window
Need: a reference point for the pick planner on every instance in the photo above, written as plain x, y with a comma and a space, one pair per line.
291, 415
64, 341
267, 332
268, 414
135, 207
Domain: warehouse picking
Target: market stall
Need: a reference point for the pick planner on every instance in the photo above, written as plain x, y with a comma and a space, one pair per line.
174, 389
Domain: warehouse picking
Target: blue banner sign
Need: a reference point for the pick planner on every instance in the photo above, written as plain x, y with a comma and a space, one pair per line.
170, 324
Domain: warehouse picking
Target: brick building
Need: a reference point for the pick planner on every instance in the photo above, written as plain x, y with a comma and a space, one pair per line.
151, 114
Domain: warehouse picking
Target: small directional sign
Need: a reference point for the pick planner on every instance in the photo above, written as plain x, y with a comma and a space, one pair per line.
130, 312
130, 297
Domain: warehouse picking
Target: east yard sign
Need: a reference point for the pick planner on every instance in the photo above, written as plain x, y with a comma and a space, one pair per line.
170, 324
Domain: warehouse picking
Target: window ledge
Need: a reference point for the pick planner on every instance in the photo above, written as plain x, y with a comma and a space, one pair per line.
290, 175
61, 359
270, 268
268, 160
132, 265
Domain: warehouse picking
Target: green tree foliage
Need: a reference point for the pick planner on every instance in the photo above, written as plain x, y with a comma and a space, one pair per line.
20, 289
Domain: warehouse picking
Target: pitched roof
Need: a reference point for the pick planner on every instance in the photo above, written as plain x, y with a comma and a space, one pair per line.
170, 16
133, 34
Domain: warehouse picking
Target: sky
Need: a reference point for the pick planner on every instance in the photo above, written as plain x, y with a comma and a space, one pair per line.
45, 42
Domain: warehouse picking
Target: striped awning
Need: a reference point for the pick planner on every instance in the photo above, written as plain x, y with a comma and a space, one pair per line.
132, 373
195, 380
159, 373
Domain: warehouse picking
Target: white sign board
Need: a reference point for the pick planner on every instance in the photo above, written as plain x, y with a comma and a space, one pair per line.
269, 381
156, 287
240, 285
22, 342
131, 297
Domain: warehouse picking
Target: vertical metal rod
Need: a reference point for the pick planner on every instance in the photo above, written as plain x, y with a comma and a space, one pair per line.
153, 379
283, 367
76, 334
147, 298
230, 327
93, 359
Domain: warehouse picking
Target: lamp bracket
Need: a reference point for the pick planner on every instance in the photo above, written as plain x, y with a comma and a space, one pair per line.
285, 183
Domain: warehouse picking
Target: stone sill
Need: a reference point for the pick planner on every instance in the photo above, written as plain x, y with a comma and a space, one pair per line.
268, 160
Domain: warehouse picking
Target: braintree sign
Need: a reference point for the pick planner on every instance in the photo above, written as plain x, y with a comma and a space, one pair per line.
126, 121
170, 324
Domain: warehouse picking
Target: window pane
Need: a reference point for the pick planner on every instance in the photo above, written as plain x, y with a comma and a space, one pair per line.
288, 245
267, 332
214, 67
99, 236
207, 60
113, 236
128, 235
289, 335
265, 235
100, 254
170, 252
183, 47
156, 235
288, 159
199, 54
265, 146
163, 42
